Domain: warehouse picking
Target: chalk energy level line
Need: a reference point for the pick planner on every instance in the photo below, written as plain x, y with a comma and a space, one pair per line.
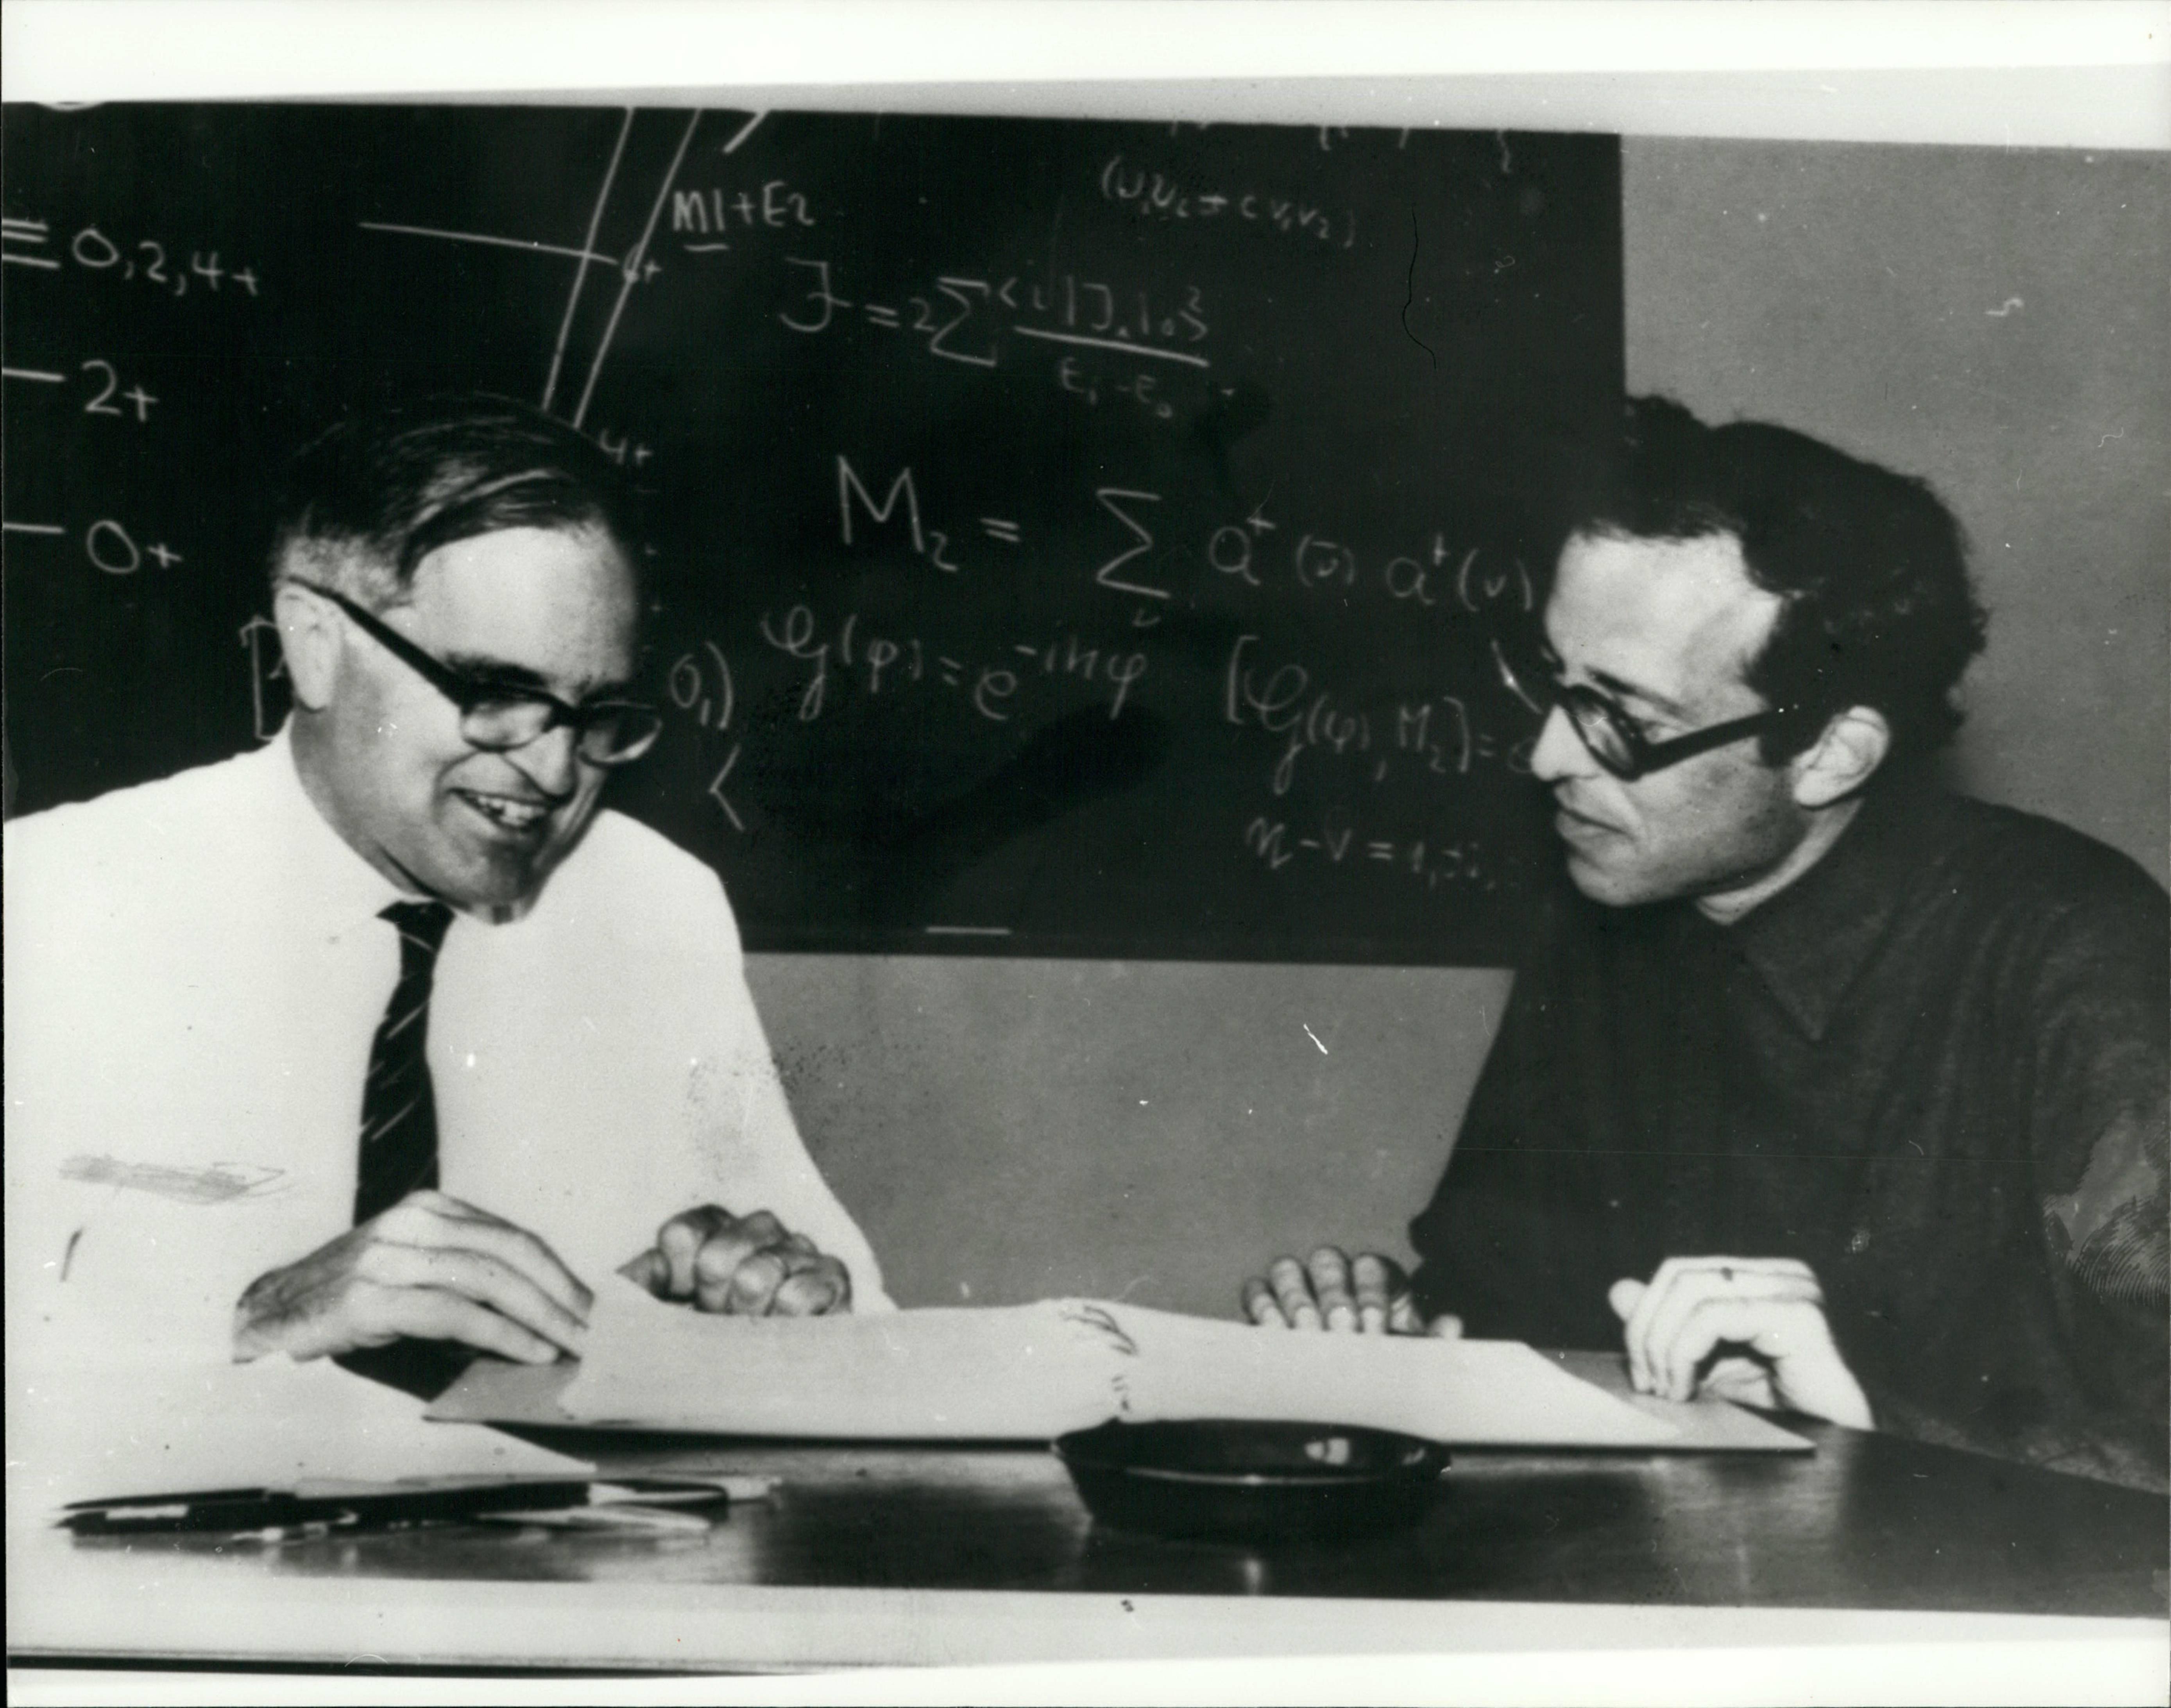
629, 272
583, 256
966, 931
581, 278
630, 268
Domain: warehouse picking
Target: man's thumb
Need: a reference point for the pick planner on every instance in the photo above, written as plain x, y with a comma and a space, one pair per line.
1624, 1296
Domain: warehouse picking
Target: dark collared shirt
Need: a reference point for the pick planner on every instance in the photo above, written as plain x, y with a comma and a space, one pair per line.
1932, 1068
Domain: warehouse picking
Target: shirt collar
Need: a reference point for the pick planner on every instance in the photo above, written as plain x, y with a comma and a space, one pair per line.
1810, 941
332, 886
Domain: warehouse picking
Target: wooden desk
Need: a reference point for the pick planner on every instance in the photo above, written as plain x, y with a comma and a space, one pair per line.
930, 1555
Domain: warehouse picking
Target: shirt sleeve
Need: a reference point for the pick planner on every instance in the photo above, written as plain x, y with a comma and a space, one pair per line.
121, 1240
749, 1153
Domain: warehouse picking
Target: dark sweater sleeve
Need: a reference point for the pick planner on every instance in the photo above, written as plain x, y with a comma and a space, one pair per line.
2099, 1012
1510, 1242
2049, 1342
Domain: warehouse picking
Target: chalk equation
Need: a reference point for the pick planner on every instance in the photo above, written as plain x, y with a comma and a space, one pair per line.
1334, 842
1164, 196
850, 656
964, 318
1440, 736
704, 219
28, 244
1443, 575
1124, 504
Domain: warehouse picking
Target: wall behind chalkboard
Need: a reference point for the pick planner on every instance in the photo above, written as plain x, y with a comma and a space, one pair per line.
1078, 538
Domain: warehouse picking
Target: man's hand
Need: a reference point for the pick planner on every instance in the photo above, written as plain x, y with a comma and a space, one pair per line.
1369, 1296
430, 1268
1765, 1318
747, 1266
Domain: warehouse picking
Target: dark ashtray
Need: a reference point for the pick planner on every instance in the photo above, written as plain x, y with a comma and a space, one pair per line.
1255, 1482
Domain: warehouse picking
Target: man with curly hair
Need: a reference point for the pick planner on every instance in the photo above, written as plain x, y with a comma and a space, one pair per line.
1822, 1086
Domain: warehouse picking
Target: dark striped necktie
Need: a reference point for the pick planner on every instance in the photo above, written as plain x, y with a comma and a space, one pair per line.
399, 1136
399, 1109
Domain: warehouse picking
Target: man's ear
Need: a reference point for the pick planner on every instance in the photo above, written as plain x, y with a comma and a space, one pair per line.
310, 636
1842, 758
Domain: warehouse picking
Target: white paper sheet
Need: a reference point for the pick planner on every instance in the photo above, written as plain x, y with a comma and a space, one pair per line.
1034, 1372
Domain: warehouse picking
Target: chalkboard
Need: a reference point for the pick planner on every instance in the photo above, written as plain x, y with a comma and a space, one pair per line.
1075, 537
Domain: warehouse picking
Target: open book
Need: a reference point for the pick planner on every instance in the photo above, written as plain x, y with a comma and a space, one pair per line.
1037, 1371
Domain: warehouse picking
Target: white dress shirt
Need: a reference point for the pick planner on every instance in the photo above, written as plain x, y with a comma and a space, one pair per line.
194, 970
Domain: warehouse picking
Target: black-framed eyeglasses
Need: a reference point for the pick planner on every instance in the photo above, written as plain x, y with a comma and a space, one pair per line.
499, 716
1607, 730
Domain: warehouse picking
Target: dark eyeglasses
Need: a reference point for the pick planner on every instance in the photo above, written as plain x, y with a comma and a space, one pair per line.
1607, 730
498, 716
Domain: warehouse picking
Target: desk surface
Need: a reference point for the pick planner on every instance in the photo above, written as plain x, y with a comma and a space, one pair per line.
1866, 1521
996, 1544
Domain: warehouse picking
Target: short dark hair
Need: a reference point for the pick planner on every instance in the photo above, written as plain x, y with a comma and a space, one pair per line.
366, 502
1877, 609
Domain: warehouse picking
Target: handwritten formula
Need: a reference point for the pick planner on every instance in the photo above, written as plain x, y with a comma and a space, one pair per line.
1074, 538
95, 384
973, 320
1162, 194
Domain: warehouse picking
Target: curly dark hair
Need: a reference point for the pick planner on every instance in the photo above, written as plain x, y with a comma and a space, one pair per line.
1878, 610
365, 503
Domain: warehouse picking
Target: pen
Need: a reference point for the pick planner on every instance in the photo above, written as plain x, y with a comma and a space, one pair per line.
324, 1509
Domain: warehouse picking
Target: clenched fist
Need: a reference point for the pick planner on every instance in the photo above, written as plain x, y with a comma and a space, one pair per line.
749, 1265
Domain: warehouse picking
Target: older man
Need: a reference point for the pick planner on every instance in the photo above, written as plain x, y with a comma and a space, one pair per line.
384, 1038
1839, 1091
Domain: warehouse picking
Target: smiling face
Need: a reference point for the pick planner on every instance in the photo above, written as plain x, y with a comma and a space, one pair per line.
1667, 627
381, 751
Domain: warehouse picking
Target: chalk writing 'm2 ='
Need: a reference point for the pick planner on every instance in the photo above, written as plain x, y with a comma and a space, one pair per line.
848, 484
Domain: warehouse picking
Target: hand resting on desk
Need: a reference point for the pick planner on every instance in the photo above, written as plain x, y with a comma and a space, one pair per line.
430, 1268
750, 1266
1370, 1295
1765, 1318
